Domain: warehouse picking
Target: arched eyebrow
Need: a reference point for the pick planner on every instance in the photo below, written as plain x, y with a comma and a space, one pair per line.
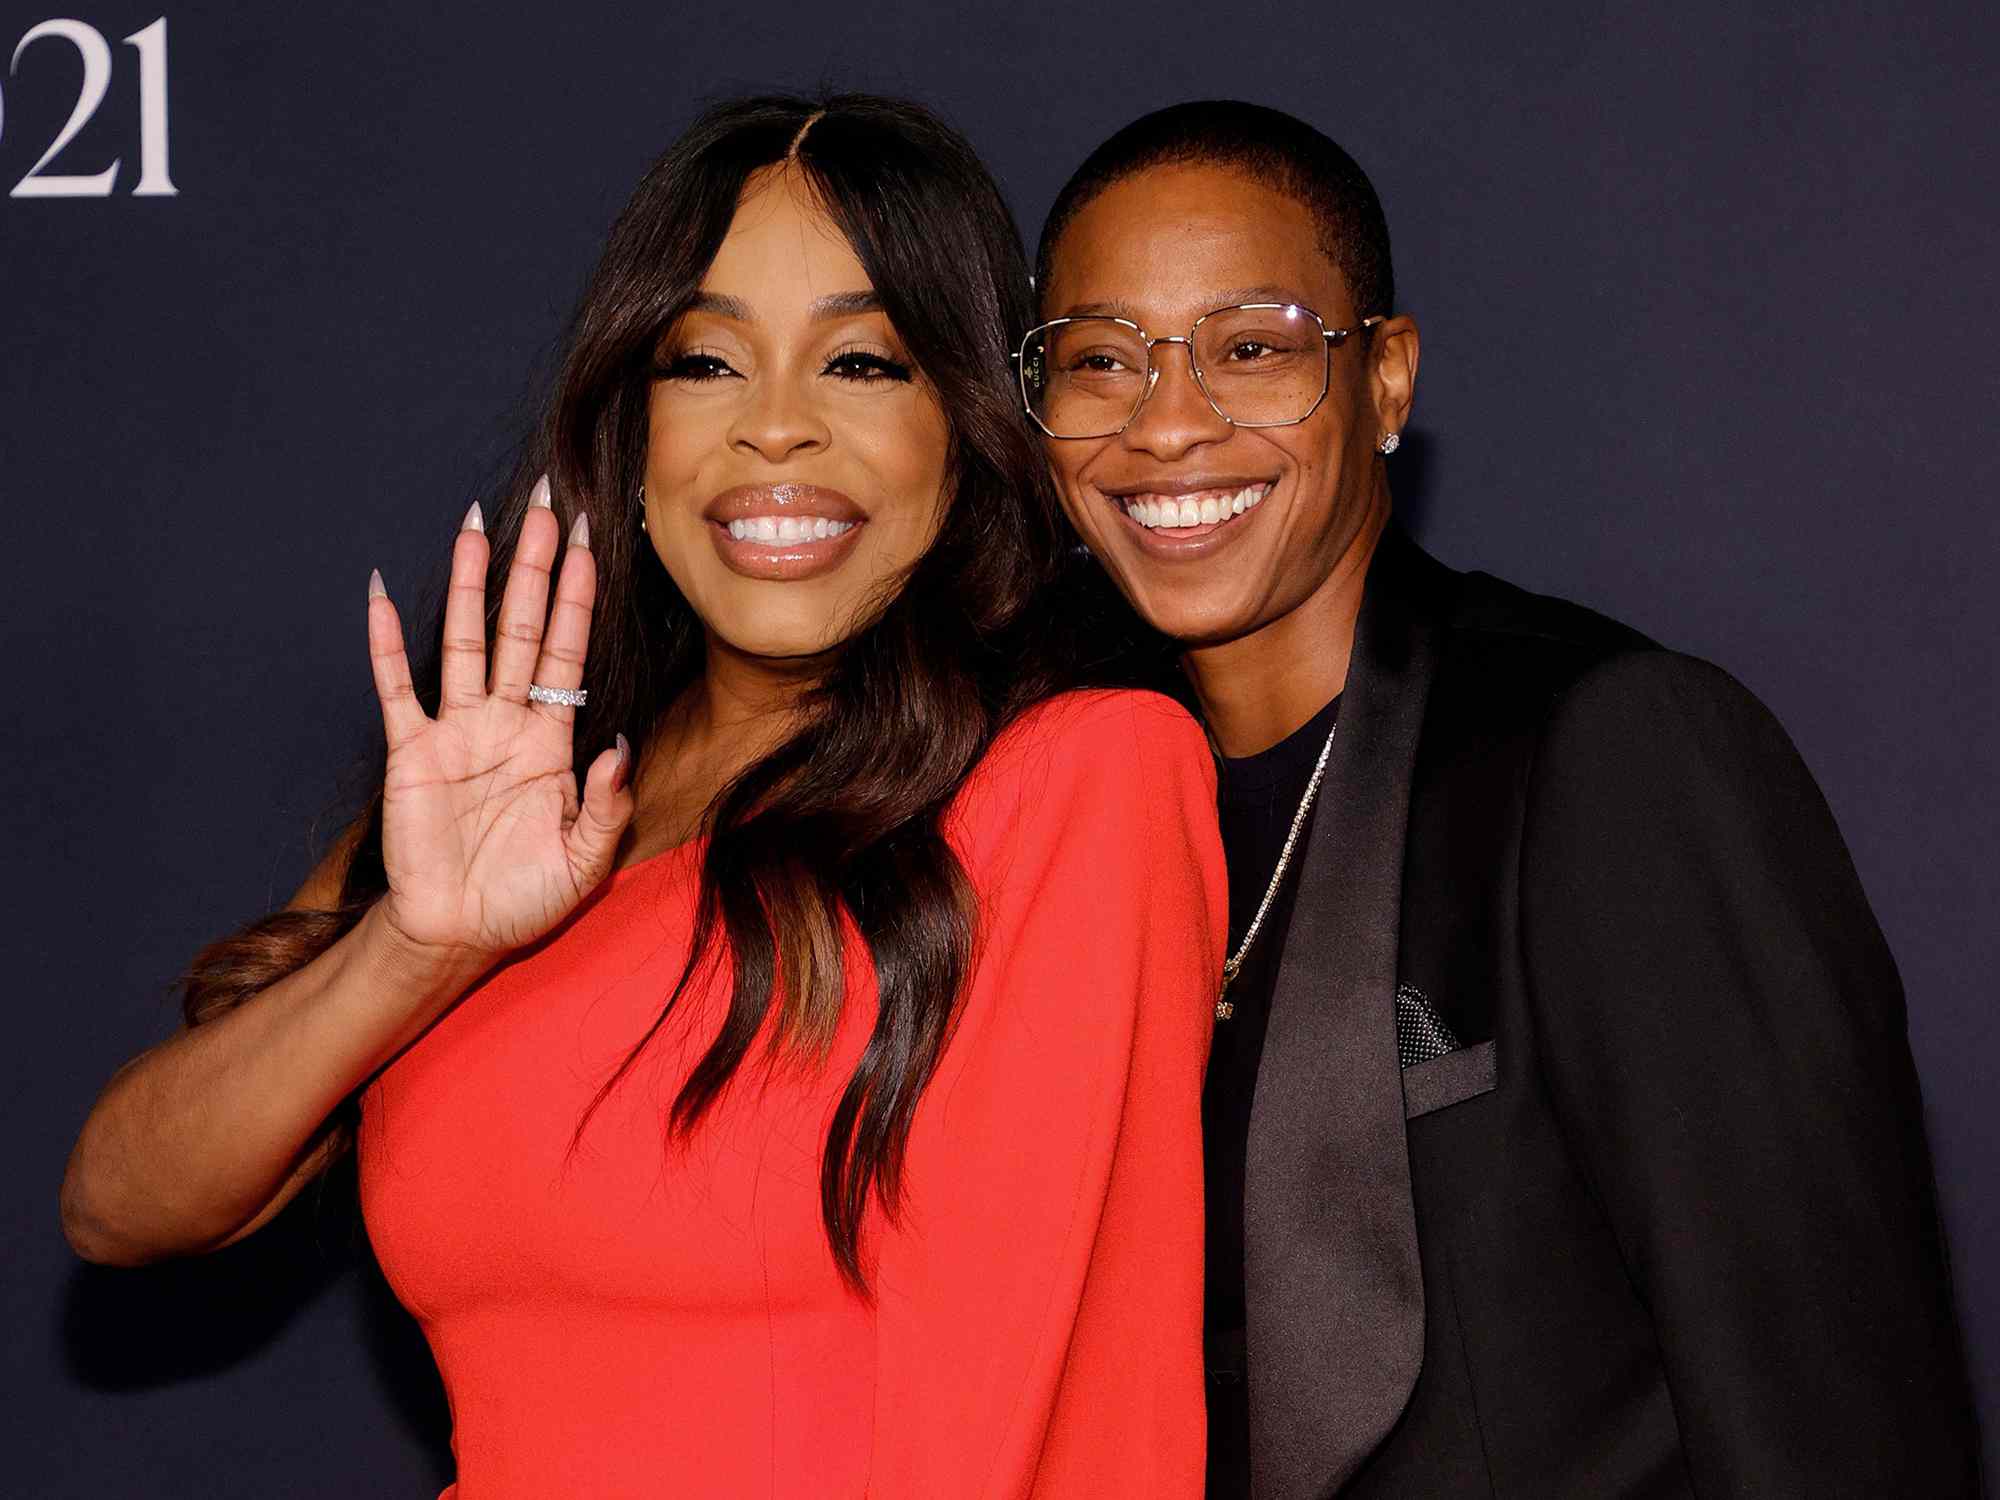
847, 304
722, 305
832, 305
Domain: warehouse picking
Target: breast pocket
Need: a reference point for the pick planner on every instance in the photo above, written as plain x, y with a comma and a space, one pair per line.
1438, 1069
1451, 1079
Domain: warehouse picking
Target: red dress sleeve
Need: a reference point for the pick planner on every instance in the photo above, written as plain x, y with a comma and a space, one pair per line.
1040, 1301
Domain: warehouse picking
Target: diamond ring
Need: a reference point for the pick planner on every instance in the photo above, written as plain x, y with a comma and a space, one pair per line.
567, 697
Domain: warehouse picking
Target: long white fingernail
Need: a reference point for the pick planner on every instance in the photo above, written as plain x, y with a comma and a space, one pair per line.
579, 534
540, 494
474, 520
376, 588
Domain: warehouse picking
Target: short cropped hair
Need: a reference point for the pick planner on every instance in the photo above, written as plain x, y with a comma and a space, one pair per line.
1266, 144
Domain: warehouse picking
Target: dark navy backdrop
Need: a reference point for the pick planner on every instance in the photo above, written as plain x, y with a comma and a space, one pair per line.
1707, 296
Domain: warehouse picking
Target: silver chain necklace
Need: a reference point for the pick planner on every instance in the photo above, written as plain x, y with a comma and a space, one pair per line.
1225, 1007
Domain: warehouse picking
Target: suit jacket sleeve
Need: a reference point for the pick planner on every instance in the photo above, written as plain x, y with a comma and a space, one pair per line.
1722, 1030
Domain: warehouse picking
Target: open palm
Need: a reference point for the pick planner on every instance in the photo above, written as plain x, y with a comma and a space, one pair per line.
485, 840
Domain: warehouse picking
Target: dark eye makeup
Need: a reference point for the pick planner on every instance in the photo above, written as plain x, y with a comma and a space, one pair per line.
691, 367
866, 366
859, 366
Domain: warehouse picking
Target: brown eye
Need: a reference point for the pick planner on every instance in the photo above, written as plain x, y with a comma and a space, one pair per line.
1098, 364
692, 368
865, 368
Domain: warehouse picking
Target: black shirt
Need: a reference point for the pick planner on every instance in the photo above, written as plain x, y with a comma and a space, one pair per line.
1256, 801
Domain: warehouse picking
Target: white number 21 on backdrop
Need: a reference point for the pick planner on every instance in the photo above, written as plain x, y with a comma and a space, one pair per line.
154, 182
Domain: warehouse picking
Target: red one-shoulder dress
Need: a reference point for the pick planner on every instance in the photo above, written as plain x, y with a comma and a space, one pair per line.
618, 1315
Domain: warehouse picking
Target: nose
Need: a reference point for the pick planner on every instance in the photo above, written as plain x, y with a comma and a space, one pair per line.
778, 421
1174, 415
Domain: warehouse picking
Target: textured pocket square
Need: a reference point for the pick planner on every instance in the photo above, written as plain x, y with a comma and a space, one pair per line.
1421, 1033
1438, 1069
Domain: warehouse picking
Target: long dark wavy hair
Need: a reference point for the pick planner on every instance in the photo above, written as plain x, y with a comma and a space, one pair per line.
842, 820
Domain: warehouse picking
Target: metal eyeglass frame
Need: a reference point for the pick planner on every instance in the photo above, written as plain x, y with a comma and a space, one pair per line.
1334, 337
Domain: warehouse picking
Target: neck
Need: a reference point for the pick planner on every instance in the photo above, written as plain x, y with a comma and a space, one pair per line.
1258, 688
751, 699
740, 709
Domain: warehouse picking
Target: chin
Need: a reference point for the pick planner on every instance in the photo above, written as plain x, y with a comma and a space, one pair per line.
1190, 622
776, 643
775, 621
1189, 629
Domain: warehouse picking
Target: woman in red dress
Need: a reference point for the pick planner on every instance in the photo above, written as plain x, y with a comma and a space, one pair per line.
801, 1097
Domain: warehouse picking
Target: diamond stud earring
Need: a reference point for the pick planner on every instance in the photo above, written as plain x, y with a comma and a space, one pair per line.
1389, 444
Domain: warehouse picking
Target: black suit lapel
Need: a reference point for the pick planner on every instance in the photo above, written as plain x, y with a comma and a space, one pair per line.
1332, 1278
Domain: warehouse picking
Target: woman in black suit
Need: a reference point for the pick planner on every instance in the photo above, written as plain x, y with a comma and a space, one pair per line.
1562, 1133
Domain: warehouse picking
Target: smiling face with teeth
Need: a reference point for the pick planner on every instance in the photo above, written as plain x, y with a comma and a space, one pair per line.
796, 464
1239, 542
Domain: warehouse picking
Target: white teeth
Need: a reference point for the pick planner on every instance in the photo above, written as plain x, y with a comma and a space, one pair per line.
1167, 513
777, 530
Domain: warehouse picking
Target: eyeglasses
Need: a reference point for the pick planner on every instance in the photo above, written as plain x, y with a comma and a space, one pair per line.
1263, 364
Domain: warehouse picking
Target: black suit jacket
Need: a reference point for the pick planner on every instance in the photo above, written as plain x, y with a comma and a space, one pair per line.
1663, 1223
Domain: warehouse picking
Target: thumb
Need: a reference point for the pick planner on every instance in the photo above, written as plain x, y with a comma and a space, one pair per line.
607, 807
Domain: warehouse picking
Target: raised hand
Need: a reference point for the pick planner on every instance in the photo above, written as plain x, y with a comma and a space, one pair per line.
486, 843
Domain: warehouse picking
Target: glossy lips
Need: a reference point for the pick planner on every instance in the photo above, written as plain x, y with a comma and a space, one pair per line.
783, 531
